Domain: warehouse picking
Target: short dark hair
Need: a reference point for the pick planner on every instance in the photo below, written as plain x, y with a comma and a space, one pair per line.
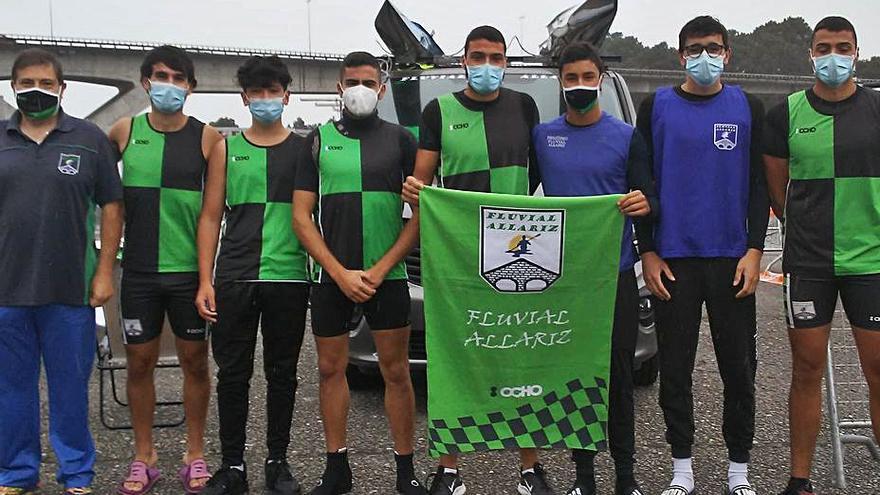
581, 51
704, 25
835, 24
360, 59
487, 33
262, 72
172, 56
36, 56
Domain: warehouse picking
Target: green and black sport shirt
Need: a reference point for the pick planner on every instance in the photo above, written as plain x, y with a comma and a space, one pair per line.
258, 243
357, 168
483, 146
832, 211
163, 176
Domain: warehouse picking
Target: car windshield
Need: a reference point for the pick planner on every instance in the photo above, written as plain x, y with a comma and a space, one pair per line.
408, 95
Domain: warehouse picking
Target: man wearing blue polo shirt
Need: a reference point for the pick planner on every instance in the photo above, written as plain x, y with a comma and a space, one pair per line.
54, 169
587, 152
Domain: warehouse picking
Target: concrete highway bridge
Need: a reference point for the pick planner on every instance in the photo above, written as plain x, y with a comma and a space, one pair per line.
116, 64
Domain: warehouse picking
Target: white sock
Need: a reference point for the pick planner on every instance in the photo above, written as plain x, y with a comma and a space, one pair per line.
447, 470
529, 470
737, 474
683, 474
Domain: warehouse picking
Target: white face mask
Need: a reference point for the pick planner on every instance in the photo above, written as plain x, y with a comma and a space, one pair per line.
360, 101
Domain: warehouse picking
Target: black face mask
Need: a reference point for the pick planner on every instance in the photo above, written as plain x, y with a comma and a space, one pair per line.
581, 98
37, 103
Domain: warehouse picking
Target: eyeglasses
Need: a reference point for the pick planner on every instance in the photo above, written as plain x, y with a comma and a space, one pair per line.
696, 50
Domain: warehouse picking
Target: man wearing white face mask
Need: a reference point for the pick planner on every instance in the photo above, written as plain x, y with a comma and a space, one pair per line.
479, 139
821, 152
705, 246
261, 277
54, 170
353, 170
164, 158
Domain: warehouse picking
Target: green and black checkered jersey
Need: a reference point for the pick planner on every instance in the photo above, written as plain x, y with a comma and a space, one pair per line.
832, 211
357, 168
483, 146
258, 243
163, 175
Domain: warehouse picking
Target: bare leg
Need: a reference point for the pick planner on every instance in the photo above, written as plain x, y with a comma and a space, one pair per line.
141, 391
193, 356
868, 343
808, 358
528, 458
334, 394
400, 404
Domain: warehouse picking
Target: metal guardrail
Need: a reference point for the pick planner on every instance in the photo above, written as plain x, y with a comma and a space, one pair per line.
733, 76
846, 398
25, 39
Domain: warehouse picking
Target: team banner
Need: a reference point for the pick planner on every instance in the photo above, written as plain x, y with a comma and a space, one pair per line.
519, 303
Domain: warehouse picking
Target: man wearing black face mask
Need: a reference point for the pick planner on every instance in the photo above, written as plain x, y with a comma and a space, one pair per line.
587, 152
54, 169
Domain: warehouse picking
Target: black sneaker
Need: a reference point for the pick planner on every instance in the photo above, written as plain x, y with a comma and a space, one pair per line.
629, 487
534, 482
411, 487
334, 482
581, 488
446, 483
226, 481
279, 480
798, 488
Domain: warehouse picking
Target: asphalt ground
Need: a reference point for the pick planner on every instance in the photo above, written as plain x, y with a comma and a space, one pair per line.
496, 473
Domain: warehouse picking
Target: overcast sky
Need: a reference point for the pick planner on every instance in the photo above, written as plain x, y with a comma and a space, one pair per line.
344, 25
339, 26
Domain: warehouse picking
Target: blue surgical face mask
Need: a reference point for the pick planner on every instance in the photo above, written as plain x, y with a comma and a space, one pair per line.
485, 79
705, 69
166, 97
266, 110
834, 69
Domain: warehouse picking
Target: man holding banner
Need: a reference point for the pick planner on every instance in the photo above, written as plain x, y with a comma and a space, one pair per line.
617, 163
479, 140
518, 350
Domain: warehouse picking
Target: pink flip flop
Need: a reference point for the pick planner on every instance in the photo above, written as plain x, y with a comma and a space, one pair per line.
195, 470
139, 472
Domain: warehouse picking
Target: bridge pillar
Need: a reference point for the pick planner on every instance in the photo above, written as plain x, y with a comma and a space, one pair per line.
131, 100
6, 110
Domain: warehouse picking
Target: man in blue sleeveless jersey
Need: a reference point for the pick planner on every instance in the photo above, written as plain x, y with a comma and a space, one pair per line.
706, 244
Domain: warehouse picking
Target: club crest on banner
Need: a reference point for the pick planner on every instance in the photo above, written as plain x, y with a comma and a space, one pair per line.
521, 250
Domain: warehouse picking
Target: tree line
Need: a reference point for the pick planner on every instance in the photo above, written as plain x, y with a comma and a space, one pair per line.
772, 48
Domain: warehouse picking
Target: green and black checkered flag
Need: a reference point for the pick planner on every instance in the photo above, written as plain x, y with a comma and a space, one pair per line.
519, 303
568, 421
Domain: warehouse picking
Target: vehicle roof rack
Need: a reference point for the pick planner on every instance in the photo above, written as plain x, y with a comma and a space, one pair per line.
445, 61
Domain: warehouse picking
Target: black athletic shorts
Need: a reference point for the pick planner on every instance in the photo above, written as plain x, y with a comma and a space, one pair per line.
332, 312
146, 299
810, 301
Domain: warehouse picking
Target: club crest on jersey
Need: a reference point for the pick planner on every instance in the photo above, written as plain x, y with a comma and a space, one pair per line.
521, 250
68, 164
725, 136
